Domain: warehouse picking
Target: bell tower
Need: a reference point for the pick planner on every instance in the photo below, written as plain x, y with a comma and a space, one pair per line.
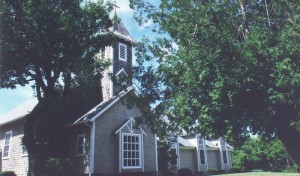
119, 75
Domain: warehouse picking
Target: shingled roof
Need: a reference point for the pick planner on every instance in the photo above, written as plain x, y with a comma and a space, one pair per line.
120, 30
19, 112
101, 108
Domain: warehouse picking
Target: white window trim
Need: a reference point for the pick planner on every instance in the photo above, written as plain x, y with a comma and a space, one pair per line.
156, 155
120, 58
175, 146
9, 145
203, 147
140, 152
118, 77
83, 151
24, 154
223, 147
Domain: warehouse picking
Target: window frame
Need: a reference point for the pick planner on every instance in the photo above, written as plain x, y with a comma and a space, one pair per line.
123, 79
202, 157
224, 150
173, 151
131, 158
7, 145
225, 157
24, 150
82, 145
125, 52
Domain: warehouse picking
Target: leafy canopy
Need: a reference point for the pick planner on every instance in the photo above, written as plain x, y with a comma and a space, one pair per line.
52, 43
227, 68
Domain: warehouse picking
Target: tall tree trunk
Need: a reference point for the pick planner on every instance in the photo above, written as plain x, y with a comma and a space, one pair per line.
289, 136
36, 151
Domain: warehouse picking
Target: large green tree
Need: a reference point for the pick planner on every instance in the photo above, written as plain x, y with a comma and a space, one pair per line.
268, 155
228, 67
52, 45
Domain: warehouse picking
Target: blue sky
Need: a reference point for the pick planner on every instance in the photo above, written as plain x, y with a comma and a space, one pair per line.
10, 98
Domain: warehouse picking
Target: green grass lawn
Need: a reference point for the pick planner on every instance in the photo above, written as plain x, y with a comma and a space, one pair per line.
263, 174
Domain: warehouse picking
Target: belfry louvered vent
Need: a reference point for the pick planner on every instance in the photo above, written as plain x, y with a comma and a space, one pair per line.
122, 52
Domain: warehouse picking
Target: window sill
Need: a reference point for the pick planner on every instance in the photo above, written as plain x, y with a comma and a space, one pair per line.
5, 158
123, 60
80, 155
137, 167
24, 155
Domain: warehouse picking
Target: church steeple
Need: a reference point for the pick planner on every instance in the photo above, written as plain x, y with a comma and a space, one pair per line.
119, 75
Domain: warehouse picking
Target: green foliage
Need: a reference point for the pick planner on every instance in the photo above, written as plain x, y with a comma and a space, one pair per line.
294, 168
49, 41
226, 68
58, 167
46, 134
52, 44
185, 172
214, 172
260, 154
7, 173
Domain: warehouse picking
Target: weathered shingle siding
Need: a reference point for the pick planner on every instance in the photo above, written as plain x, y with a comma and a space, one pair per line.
106, 81
16, 161
149, 150
81, 163
119, 64
212, 159
106, 152
188, 159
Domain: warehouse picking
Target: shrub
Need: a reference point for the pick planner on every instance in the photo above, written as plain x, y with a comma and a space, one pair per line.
214, 171
7, 173
257, 170
185, 172
235, 170
292, 169
58, 167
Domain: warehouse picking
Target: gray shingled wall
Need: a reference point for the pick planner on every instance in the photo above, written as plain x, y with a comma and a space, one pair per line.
16, 161
107, 142
188, 159
212, 159
105, 80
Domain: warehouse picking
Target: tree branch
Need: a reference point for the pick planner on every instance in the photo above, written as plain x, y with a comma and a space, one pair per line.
266, 5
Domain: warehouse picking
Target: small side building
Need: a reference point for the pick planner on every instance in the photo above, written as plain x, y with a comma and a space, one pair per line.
201, 155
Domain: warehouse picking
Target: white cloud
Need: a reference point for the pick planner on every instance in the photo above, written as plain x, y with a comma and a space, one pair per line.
123, 7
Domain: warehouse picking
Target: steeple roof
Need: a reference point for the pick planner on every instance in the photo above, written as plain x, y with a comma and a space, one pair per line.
120, 30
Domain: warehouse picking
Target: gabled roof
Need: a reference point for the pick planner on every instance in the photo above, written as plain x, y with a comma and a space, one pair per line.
185, 142
120, 30
130, 126
216, 143
191, 141
19, 112
102, 107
